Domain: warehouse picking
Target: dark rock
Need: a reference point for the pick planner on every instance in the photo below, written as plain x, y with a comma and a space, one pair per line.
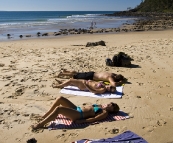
38, 33
90, 44
32, 140
28, 35
21, 36
56, 34
45, 34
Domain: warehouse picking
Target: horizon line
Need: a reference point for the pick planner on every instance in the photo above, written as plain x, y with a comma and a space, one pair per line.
59, 10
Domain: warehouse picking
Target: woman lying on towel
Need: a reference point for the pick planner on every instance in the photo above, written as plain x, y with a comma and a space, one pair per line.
92, 86
77, 114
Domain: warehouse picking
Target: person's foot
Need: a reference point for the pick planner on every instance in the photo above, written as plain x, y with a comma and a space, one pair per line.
35, 127
59, 75
64, 70
56, 84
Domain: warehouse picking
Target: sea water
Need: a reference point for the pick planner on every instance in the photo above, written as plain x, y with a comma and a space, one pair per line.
18, 23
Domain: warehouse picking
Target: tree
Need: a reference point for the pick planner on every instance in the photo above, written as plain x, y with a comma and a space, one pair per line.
155, 6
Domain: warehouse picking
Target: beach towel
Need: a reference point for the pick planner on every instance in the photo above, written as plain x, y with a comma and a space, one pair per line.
126, 137
62, 122
76, 91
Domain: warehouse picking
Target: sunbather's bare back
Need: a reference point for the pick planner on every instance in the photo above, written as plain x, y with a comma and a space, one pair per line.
114, 79
103, 76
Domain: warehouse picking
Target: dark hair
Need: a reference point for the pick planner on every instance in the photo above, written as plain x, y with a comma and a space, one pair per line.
118, 78
111, 87
116, 107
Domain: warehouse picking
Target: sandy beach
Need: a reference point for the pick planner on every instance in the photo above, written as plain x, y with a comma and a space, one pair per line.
29, 67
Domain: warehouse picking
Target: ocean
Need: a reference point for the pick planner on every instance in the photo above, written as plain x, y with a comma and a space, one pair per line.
30, 22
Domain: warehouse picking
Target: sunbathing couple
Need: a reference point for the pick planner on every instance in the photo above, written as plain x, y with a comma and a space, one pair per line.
92, 81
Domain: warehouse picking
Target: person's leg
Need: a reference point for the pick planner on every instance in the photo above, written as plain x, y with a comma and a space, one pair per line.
59, 84
68, 112
73, 82
60, 101
67, 73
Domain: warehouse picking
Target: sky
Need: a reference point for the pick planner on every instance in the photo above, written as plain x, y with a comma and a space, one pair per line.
67, 5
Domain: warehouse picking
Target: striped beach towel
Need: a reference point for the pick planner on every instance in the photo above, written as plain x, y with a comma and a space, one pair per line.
61, 122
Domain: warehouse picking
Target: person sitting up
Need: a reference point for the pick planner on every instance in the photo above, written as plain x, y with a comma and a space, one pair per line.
92, 86
86, 114
114, 79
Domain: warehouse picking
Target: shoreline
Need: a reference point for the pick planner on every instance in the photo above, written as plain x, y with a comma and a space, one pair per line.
147, 22
123, 29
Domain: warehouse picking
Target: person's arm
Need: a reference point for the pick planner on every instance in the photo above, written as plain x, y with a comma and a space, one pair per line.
96, 90
98, 117
61, 84
112, 82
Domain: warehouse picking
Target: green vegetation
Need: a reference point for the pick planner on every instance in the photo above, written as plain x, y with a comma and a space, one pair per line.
154, 6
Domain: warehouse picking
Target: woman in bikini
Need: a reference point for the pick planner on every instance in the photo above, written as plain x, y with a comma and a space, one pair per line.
92, 86
88, 113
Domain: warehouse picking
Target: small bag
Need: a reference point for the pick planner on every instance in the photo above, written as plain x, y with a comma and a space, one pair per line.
121, 60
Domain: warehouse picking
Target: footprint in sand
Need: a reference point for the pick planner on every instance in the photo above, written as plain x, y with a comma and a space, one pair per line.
60, 136
7, 125
169, 95
19, 91
2, 121
161, 122
114, 131
8, 77
37, 130
35, 117
171, 109
149, 128
13, 96
2, 65
6, 70
73, 134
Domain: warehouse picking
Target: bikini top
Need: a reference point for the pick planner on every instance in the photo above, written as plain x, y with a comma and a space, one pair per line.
96, 108
100, 84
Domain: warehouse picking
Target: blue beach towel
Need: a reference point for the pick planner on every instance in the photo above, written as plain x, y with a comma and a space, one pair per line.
126, 137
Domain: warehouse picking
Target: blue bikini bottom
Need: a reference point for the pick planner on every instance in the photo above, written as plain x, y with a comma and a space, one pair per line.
80, 111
